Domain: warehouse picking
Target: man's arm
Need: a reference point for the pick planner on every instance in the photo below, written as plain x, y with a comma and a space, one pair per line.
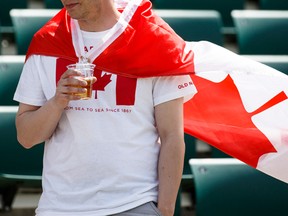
169, 121
36, 124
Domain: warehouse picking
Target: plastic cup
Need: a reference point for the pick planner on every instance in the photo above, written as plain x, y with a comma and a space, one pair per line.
87, 70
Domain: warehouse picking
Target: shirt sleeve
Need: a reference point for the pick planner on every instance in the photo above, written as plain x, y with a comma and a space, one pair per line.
172, 87
29, 89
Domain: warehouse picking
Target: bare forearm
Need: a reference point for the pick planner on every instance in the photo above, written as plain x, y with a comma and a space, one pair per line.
35, 126
170, 174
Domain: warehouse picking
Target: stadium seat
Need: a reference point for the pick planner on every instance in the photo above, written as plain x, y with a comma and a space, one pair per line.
52, 4
194, 25
26, 23
261, 32
278, 62
19, 167
6, 6
10, 70
230, 187
224, 7
273, 4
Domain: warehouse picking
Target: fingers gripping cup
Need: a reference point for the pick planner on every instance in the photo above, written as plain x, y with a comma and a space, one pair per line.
86, 70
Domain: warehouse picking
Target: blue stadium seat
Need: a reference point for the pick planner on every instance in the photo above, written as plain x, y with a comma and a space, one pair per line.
5, 20
26, 23
19, 167
194, 25
224, 7
10, 70
261, 32
230, 187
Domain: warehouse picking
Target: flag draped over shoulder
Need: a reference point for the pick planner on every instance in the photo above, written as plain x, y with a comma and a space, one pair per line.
241, 106
135, 53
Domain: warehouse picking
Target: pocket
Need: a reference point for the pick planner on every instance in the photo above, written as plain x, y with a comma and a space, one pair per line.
157, 211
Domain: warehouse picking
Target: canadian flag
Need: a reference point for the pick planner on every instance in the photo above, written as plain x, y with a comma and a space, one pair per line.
241, 106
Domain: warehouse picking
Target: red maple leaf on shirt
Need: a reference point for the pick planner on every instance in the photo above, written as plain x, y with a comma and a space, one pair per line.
217, 116
101, 82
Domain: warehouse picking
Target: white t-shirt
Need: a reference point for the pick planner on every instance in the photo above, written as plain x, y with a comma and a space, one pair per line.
102, 158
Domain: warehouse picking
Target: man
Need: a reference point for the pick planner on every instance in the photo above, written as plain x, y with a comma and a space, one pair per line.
102, 156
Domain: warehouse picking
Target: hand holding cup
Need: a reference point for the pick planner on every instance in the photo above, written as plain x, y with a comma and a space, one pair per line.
86, 74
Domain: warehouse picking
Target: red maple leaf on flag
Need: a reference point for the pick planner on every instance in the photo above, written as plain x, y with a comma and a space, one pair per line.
101, 82
217, 116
